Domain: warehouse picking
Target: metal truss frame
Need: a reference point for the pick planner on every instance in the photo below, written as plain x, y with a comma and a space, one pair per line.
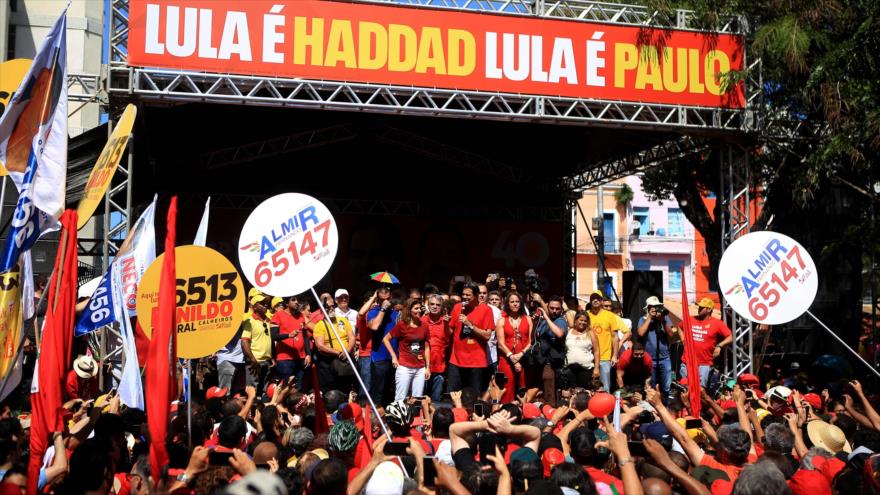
83, 87
592, 175
735, 195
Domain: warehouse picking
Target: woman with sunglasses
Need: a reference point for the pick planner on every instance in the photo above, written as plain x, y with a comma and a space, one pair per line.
413, 355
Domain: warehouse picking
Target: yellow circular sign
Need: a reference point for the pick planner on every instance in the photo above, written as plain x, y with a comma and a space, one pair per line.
12, 72
105, 167
210, 300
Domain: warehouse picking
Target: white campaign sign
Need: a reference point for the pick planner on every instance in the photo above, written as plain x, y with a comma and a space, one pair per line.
768, 278
287, 244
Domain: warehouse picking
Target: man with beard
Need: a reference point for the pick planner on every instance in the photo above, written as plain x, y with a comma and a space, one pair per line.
292, 350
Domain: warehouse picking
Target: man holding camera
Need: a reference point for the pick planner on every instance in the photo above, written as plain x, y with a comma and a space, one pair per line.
711, 335
654, 331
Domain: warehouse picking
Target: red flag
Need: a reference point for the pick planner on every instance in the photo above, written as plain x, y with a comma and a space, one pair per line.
321, 425
55, 349
693, 370
162, 354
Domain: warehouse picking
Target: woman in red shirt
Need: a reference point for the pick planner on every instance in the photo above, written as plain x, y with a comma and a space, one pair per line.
438, 340
414, 353
514, 331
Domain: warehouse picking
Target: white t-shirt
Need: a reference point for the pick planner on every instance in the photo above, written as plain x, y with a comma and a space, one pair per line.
350, 315
493, 340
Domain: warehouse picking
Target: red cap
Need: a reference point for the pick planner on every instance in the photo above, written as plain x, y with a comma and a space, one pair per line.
548, 411
270, 390
460, 414
216, 392
551, 458
354, 413
749, 380
531, 411
813, 400
806, 482
727, 404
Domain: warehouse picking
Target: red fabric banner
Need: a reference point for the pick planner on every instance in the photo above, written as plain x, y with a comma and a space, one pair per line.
55, 350
321, 425
693, 370
162, 354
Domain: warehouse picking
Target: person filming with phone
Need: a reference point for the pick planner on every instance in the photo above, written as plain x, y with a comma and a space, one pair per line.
654, 331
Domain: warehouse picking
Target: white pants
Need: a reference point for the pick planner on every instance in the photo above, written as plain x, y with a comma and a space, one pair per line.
404, 378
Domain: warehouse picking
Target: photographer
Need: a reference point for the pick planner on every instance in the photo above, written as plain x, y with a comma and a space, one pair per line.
550, 329
654, 331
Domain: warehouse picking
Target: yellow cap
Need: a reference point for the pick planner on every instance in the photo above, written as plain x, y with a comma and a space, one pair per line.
276, 301
706, 303
696, 434
256, 298
597, 293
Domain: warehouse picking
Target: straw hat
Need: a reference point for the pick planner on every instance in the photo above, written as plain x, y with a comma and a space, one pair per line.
85, 367
827, 436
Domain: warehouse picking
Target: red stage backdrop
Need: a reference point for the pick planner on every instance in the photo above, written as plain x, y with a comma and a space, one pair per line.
433, 48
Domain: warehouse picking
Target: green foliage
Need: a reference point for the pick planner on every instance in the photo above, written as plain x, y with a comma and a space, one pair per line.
624, 195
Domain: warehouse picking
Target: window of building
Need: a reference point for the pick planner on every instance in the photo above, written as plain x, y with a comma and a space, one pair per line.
642, 265
640, 214
10, 42
673, 278
609, 230
675, 220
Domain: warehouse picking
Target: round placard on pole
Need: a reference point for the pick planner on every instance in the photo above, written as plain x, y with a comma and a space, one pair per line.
210, 300
768, 278
287, 244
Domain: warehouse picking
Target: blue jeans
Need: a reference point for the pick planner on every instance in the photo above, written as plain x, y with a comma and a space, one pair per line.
605, 375
288, 367
378, 375
662, 375
709, 378
435, 386
364, 366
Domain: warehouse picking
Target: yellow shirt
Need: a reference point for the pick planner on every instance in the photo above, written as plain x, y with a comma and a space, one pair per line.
343, 328
257, 331
603, 324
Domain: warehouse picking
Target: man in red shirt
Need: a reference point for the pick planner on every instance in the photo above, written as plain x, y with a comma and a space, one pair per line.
471, 325
292, 350
634, 366
711, 335
438, 339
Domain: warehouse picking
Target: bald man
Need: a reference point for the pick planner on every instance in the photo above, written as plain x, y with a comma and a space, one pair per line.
265, 452
654, 486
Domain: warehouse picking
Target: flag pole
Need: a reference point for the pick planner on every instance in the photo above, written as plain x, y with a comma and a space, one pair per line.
189, 409
850, 349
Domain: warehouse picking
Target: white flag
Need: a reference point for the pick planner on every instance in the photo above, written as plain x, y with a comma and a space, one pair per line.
27, 286
202, 233
131, 391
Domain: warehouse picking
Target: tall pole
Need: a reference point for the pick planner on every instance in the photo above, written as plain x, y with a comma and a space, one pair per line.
600, 240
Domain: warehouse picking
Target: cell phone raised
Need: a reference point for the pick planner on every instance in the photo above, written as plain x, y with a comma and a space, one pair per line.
480, 409
429, 471
690, 424
395, 448
219, 458
500, 380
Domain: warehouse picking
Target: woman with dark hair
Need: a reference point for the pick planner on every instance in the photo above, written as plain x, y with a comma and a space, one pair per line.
514, 331
413, 356
572, 476
581, 348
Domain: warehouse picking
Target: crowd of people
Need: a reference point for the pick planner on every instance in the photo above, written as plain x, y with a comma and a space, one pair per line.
480, 389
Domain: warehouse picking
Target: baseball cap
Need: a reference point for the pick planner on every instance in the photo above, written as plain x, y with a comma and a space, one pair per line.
256, 298
748, 379
706, 303
548, 411
340, 292
270, 390
276, 301
531, 411
550, 459
216, 392
813, 400
597, 293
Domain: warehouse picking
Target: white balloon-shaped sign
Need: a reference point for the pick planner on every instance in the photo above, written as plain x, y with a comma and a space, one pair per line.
288, 244
768, 278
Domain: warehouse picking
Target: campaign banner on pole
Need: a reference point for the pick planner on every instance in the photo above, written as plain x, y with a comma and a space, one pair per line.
11, 74
287, 244
10, 319
210, 300
435, 48
105, 167
768, 278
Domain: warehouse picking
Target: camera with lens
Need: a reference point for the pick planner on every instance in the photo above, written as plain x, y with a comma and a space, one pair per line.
466, 331
533, 282
677, 386
662, 310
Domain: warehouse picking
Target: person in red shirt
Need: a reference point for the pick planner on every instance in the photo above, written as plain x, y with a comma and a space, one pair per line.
82, 381
514, 331
634, 366
365, 342
292, 350
438, 339
711, 336
414, 352
472, 325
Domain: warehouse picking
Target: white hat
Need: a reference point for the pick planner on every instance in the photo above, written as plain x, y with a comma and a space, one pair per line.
780, 392
340, 292
85, 367
387, 479
652, 301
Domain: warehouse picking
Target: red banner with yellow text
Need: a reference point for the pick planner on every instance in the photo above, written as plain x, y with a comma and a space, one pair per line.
409, 46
